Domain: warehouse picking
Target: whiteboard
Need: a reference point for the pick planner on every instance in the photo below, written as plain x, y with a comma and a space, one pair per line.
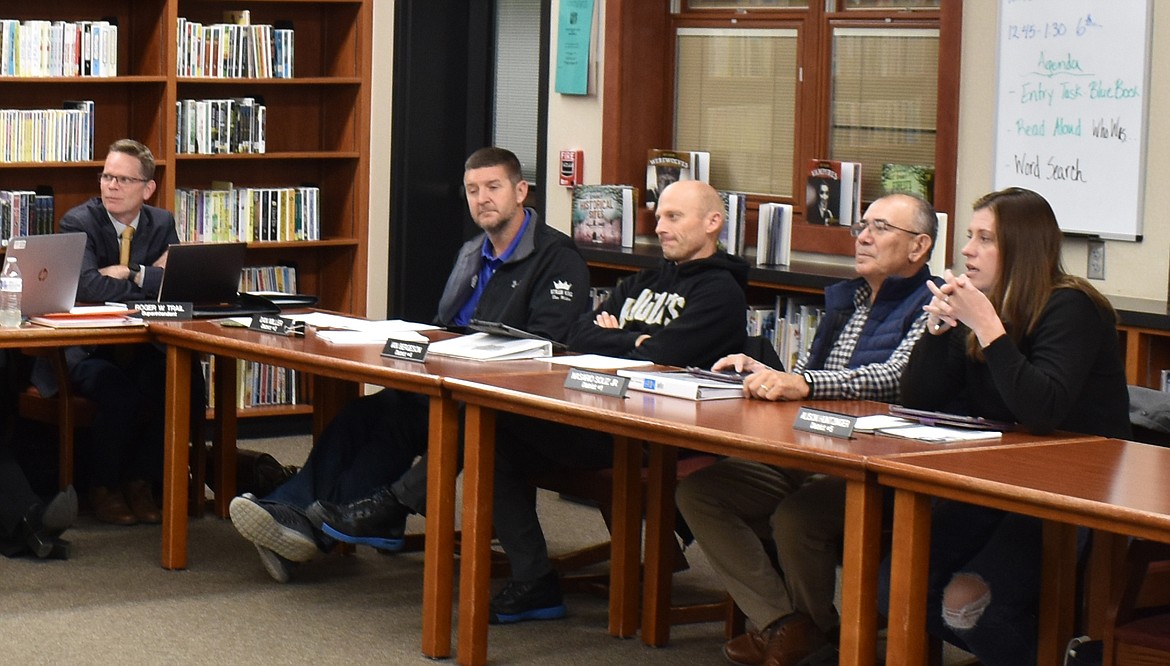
1073, 79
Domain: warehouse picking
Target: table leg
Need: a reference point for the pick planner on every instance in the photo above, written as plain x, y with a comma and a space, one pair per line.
1105, 573
625, 538
475, 559
224, 437
175, 458
659, 564
439, 553
1057, 592
910, 562
861, 558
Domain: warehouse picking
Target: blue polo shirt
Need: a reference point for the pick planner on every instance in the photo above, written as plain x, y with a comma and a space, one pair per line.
487, 268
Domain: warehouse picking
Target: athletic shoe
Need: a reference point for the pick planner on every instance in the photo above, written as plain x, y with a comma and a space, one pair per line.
538, 599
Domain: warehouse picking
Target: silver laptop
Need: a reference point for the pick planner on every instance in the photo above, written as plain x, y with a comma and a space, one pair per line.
50, 266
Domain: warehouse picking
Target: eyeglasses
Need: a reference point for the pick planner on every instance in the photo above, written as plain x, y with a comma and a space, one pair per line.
108, 178
879, 226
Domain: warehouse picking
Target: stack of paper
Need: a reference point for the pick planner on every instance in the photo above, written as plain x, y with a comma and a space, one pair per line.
89, 316
486, 347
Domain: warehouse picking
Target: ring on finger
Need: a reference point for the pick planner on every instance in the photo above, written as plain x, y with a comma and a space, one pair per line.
764, 388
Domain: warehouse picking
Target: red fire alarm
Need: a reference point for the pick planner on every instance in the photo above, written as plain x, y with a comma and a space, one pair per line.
571, 169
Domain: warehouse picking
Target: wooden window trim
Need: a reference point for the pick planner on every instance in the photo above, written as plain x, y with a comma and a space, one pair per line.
638, 90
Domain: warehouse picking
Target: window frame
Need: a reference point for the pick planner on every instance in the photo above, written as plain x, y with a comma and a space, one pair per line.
638, 100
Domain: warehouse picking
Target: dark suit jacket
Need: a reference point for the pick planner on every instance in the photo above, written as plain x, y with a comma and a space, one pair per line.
155, 233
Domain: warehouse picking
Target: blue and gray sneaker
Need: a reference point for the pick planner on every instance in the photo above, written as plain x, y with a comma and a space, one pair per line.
378, 520
519, 601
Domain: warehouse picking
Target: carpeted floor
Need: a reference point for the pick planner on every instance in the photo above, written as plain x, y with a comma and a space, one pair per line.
113, 603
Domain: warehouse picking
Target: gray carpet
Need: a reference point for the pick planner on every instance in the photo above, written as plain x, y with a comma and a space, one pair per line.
113, 603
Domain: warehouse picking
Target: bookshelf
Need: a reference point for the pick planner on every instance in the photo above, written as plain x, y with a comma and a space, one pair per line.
318, 122
1143, 326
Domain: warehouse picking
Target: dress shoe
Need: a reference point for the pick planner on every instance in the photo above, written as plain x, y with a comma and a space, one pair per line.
110, 507
785, 642
141, 502
378, 520
32, 532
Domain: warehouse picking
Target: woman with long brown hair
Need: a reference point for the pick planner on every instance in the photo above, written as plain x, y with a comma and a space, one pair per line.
1014, 338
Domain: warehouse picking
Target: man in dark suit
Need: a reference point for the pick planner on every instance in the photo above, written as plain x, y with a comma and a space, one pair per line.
125, 256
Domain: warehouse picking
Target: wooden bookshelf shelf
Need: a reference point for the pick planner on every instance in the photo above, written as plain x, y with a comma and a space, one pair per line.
318, 124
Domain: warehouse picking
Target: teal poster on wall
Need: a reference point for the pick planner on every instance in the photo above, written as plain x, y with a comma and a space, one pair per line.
574, 37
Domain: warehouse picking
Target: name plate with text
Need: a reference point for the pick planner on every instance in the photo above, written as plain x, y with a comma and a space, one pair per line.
276, 325
824, 423
164, 311
596, 382
405, 350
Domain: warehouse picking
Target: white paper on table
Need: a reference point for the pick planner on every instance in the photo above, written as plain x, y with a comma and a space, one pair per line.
879, 421
597, 362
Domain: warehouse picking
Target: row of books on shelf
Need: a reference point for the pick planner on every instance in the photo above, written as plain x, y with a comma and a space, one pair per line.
279, 279
789, 324
225, 213
259, 384
235, 49
26, 212
220, 126
48, 135
40, 48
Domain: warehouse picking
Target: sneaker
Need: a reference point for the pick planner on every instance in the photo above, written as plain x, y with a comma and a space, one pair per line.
378, 520
279, 568
277, 527
538, 599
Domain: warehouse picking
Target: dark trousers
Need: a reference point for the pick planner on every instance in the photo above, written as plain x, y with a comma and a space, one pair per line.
526, 446
371, 442
128, 385
1003, 549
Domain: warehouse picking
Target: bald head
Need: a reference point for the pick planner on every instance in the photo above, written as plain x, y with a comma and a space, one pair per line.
690, 215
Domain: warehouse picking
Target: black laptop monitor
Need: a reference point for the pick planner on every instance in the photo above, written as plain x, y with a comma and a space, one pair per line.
204, 274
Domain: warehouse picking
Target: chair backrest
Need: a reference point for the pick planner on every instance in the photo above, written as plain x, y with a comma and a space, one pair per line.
761, 349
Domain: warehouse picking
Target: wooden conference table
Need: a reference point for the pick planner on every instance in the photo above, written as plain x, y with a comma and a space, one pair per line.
751, 429
1112, 486
337, 371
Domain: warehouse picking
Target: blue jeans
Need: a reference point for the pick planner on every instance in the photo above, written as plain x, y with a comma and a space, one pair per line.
1004, 551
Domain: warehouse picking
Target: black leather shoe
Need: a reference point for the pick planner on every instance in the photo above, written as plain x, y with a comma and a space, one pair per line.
35, 538
378, 520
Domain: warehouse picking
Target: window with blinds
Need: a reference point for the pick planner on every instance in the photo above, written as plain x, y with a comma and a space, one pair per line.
735, 97
884, 99
517, 95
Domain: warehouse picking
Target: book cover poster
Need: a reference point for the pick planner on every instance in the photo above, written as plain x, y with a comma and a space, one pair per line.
914, 178
823, 192
597, 215
664, 167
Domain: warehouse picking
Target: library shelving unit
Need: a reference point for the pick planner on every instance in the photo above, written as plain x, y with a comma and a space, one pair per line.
318, 125
1143, 329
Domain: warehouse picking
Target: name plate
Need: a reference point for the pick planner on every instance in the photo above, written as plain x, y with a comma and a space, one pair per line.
824, 423
166, 311
406, 350
276, 325
596, 382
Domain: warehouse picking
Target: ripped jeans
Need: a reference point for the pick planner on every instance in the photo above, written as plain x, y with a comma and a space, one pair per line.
1001, 549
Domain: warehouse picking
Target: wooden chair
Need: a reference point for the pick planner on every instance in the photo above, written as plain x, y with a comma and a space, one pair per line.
1137, 628
70, 412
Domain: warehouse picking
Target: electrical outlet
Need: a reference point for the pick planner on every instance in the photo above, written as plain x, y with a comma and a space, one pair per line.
1096, 270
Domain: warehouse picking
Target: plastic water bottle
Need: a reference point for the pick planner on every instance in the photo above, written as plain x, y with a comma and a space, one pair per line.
11, 285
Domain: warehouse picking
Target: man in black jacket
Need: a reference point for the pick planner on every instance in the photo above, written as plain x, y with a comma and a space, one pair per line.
519, 272
688, 310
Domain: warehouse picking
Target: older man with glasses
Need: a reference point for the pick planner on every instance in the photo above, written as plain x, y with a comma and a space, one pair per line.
125, 256
773, 534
